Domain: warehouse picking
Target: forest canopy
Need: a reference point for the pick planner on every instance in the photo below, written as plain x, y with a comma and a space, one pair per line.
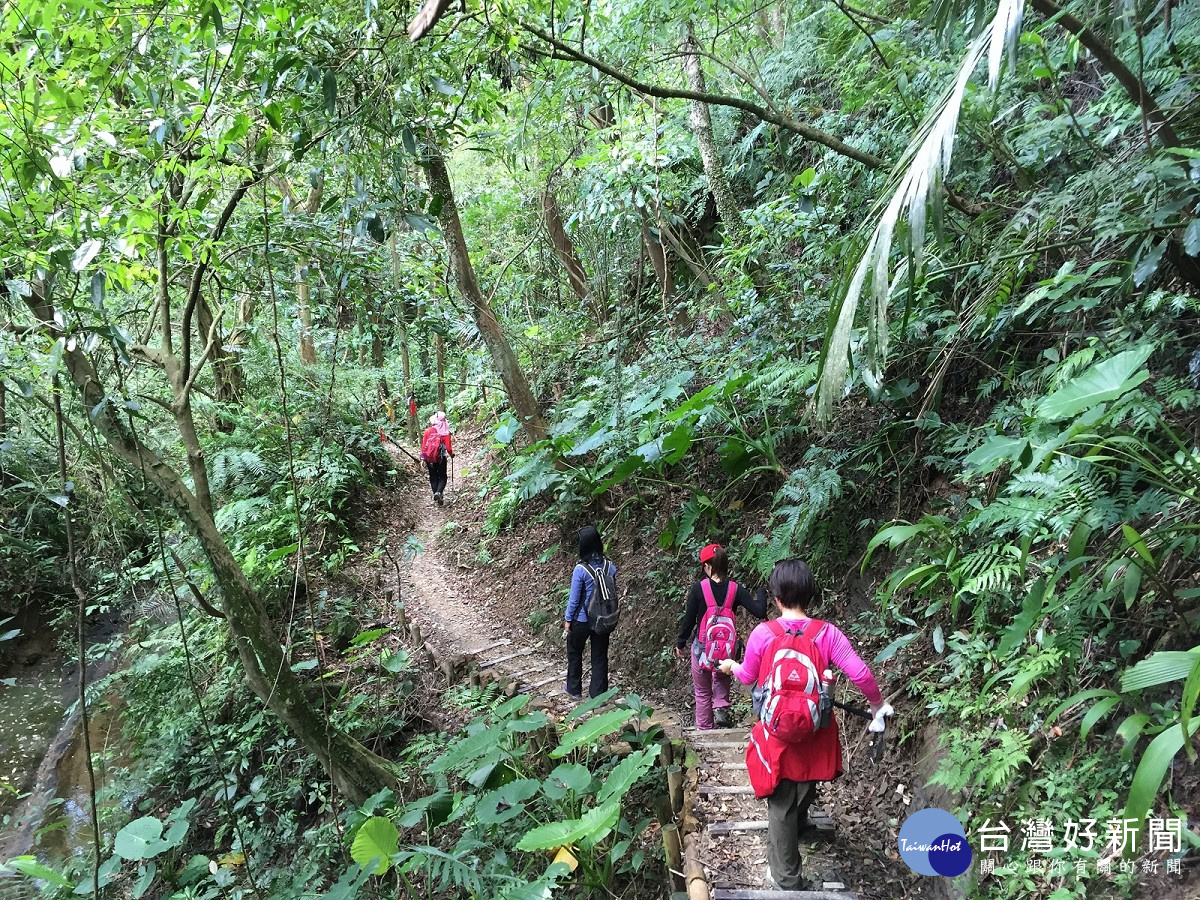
909, 290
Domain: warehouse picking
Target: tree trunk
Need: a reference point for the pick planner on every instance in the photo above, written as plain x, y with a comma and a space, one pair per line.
701, 122
561, 242
308, 353
402, 320
312, 203
227, 368
355, 771
440, 353
658, 259
520, 395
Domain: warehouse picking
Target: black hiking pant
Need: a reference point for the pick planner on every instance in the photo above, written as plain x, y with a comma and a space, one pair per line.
437, 476
578, 636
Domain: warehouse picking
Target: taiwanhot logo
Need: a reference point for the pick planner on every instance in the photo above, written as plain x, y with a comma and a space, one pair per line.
934, 842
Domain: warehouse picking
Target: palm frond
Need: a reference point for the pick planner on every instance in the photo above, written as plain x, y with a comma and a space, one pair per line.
922, 172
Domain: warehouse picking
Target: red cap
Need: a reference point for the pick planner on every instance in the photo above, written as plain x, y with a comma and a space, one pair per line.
709, 552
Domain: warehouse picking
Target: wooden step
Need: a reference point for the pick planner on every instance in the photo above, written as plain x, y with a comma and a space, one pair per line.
731, 827
747, 894
532, 669
719, 745
500, 659
710, 789
694, 733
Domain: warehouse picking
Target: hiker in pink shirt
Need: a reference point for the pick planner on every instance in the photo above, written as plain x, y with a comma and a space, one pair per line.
783, 771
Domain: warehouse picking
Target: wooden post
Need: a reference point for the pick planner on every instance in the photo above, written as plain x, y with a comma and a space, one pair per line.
674, 854
666, 757
401, 618
414, 631
675, 787
693, 872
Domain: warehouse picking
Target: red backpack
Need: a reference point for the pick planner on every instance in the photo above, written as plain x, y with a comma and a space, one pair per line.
718, 628
432, 448
790, 676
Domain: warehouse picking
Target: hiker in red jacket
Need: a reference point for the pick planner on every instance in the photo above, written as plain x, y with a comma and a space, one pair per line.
435, 449
786, 772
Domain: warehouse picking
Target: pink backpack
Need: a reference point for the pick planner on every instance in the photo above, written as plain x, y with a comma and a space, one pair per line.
790, 677
432, 447
718, 629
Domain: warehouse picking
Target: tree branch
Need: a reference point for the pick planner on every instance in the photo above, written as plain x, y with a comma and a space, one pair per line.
782, 120
1134, 86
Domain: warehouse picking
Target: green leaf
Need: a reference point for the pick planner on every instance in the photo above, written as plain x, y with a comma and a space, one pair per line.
1191, 238
506, 802
1132, 726
1104, 381
84, 254
367, 637
994, 452
939, 639
1152, 768
592, 731
1031, 608
469, 749
1095, 714
1074, 699
329, 91
807, 177
1138, 544
135, 841
146, 875
31, 868
592, 703
375, 844
596, 439
430, 805
409, 140
1160, 668
395, 662
594, 825
895, 646
568, 778
626, 773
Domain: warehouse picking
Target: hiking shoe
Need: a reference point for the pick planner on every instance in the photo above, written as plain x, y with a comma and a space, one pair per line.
721, 717
437, 498
576, 697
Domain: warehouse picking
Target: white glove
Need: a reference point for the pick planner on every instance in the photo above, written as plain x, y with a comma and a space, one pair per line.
879, 712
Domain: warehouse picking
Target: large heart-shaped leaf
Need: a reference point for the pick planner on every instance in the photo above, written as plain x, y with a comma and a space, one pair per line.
569, 778
505, 803
591, 731
137, 840
1106, 380
375, 844
626, 774
594, 825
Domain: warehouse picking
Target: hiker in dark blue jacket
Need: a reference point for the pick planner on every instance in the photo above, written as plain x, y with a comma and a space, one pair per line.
576, 629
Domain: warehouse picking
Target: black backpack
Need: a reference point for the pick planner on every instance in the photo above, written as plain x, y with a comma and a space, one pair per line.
602, 608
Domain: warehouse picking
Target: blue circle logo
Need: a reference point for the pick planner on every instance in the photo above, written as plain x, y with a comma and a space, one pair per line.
934, 842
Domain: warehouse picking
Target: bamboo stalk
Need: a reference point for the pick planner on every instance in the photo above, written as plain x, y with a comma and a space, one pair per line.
693, 872
673, 851
675, 787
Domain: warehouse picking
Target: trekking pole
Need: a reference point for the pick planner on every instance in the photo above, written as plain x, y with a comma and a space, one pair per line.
387, 440
877, 727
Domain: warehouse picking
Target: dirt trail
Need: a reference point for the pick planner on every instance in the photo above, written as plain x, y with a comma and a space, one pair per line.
457, 621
